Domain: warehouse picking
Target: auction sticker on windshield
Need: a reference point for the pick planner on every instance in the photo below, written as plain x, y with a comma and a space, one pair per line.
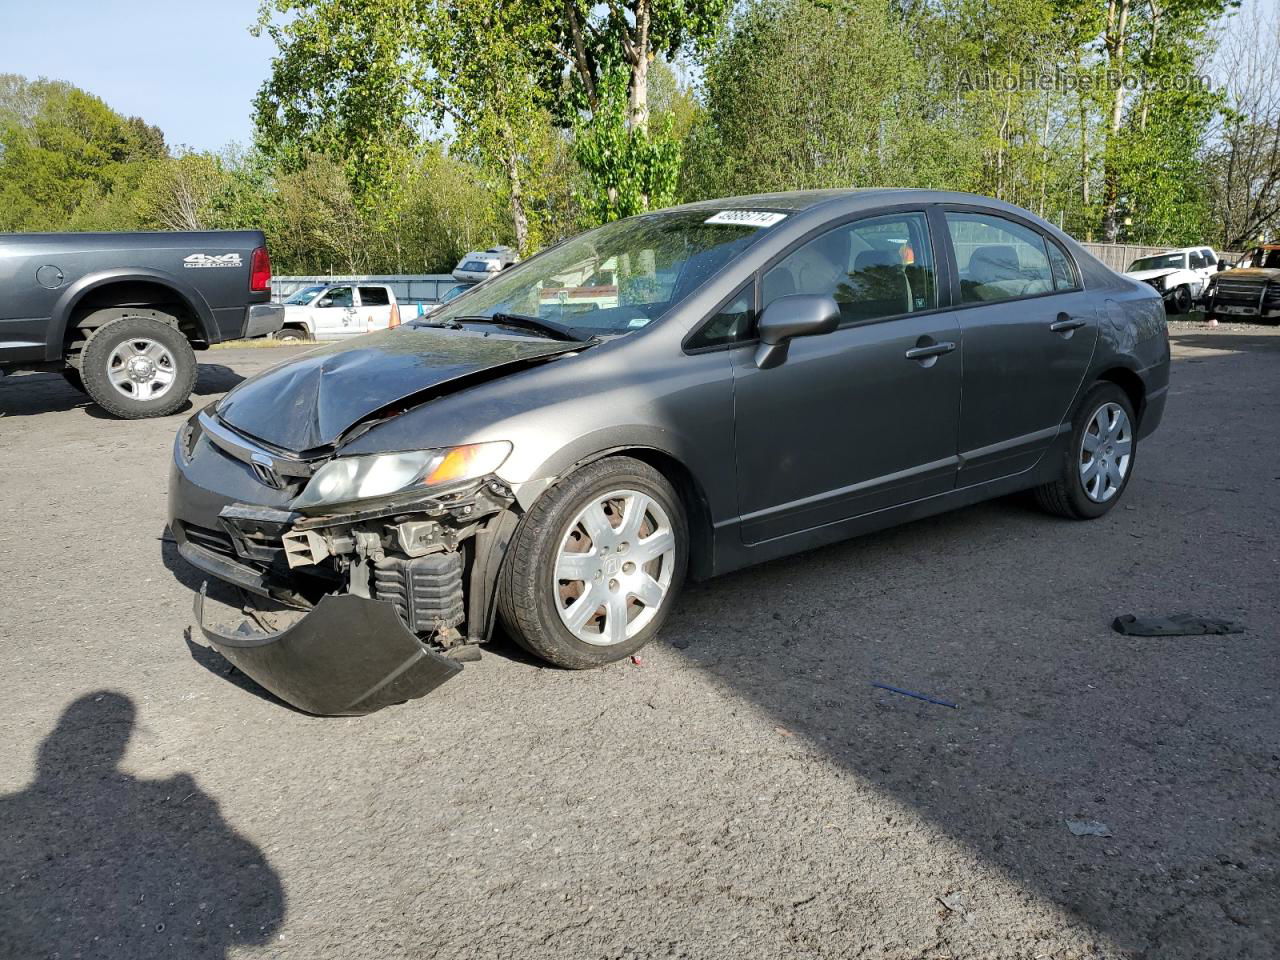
746, 218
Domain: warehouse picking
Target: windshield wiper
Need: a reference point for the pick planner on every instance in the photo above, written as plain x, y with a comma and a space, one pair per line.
547, 328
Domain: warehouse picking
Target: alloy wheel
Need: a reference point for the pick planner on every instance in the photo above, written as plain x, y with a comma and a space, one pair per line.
141, 369
1106, 450
614, 567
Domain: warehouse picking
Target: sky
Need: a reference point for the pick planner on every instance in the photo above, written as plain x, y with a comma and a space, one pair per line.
191, 69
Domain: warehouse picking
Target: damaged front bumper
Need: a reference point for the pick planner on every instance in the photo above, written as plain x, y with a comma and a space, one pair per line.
348, 656
385, 598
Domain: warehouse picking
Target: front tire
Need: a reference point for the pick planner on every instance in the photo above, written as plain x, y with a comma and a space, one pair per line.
136, 367
1099, 459
596, 565
1182, 300
292, 334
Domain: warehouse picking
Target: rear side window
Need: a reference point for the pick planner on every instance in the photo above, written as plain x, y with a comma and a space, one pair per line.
998, 259
374, 297
1064, 272
874, 268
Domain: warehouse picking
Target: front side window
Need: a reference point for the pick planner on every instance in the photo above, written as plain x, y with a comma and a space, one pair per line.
1210, 258
1198, 261
874, 268
731, 323
619, 277
998, 259
337, 297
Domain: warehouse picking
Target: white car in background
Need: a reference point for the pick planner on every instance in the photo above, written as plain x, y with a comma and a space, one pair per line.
1180, 275
337, 311
482, 264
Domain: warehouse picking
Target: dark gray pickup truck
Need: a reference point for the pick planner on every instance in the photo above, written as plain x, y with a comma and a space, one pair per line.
120, 314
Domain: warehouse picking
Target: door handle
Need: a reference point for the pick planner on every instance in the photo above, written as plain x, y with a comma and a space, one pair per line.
931, 350
1065, 324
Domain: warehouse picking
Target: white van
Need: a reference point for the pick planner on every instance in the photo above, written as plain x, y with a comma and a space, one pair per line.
335, 311
483, 264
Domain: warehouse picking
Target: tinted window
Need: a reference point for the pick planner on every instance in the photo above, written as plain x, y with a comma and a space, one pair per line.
730, 324
880, 267
1198, 261
1210, 258
1064, 273
1163, 261
998, 259
338, 297
374, 297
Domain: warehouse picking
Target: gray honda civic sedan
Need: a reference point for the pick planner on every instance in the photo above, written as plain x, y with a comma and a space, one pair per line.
679, 394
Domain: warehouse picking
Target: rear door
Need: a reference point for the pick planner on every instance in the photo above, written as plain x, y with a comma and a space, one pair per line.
334, 314
1028, 329
864, 417
375, 307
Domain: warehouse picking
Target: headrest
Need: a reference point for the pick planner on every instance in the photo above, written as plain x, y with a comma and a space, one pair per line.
993, 263
874, 258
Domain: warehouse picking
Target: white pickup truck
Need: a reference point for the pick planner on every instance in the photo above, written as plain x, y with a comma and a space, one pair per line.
1180, 275
337, 311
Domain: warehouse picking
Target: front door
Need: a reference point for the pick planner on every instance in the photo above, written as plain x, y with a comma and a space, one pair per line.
862, 418
335, 315
1029, 331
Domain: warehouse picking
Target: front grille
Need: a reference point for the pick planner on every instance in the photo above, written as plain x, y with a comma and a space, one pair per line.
1242, 291
213, 540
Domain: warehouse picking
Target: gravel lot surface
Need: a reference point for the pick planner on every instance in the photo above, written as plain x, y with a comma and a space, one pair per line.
742, 792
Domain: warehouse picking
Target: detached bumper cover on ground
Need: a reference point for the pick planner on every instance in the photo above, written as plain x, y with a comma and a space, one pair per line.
348, 656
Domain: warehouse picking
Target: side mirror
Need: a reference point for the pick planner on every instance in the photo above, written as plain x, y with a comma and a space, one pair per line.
324, 302
1223, 265
799, 315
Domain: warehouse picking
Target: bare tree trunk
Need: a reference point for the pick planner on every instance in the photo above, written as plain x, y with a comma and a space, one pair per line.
640, 56
519, 218
1117, 24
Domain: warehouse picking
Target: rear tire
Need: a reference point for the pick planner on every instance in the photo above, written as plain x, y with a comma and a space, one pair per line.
1080, 492
636, 512
136, 367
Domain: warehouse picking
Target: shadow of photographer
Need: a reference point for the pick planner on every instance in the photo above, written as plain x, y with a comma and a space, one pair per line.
95, 862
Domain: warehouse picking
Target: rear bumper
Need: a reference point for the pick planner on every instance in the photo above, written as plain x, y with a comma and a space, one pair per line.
348, 656
263, 319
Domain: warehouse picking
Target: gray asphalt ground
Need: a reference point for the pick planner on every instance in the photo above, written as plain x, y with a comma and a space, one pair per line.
742, 792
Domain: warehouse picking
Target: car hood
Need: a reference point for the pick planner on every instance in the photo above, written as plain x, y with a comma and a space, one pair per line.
1249, 273
1152, 274
309, 402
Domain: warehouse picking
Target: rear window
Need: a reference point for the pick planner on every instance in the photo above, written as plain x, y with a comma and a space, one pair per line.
374, 297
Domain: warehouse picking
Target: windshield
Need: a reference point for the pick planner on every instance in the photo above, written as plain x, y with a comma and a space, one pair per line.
1165, 261
304, 296
619, 277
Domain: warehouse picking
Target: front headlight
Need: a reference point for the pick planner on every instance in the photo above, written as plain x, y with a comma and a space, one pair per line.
380, 474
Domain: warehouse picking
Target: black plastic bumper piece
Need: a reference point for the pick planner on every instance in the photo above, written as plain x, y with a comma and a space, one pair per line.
348, 656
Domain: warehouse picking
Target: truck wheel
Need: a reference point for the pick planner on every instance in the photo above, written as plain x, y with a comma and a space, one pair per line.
73, 378
292, 333
1098, 462
1182, 300
596, 565
135, 367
